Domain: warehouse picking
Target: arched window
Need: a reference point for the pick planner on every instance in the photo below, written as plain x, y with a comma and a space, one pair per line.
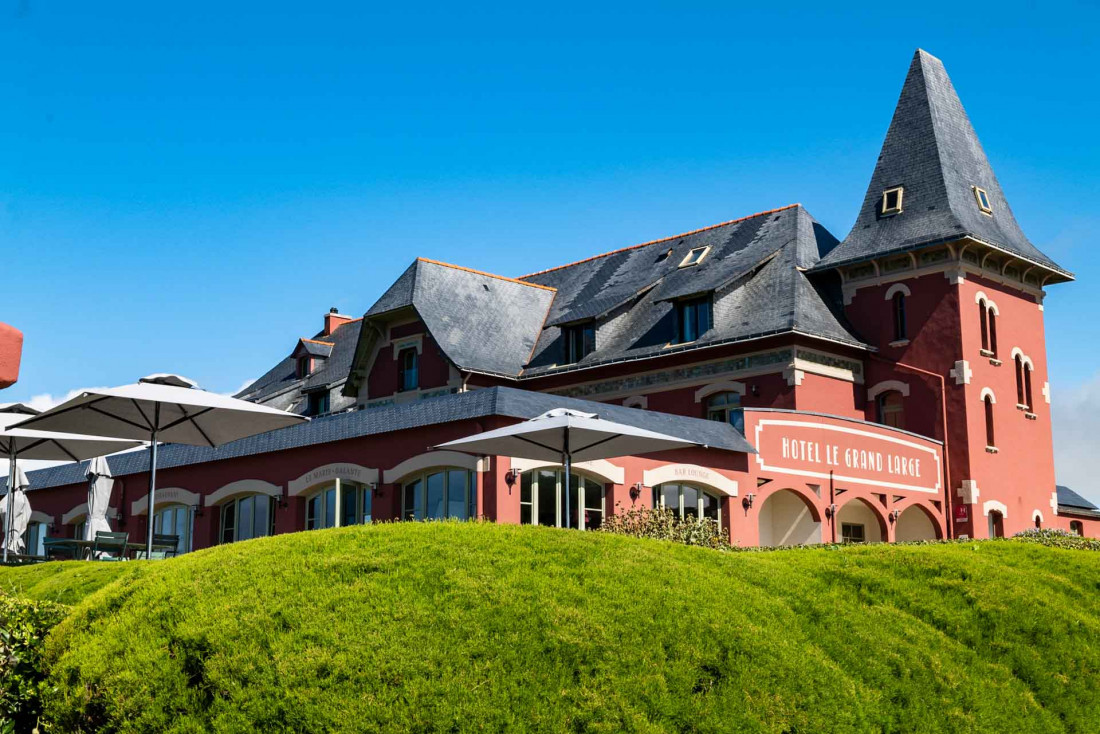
983, 313
175, 520
890, 407
989, 437
1077, 527
1019, 360
1027, 387
542, 500
303, 366
1038, 523
440, 494
338, 504
996, 524
726, 407
899, 316
408, 365
993, 332
687, 501
247, 516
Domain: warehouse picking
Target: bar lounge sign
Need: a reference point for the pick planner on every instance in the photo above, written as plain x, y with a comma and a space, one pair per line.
850, 454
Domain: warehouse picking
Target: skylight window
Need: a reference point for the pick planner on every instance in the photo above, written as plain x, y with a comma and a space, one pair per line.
694, 257
891, 200
983, 200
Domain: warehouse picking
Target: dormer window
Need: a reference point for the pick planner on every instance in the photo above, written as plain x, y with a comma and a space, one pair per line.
983, 200
408, 364
694, 256
580, 341
891, 200
304, 366
317, 403
693, 319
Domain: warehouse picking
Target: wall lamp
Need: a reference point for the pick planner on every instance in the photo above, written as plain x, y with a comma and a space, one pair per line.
511, 477
747, 500
830, 511
894, 514
635, 492
375, 489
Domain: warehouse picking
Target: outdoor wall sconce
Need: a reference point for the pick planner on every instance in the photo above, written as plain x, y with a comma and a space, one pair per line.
747, 501
894, 516
754, 391
830, 511
198, 510
635, 492
511, 477
283, 502
375, 489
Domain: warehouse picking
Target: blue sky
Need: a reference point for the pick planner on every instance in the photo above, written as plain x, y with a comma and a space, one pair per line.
189, 187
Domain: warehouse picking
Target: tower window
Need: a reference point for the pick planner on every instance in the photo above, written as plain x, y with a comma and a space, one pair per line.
408, 363
992, 318
694, 256
983, 314
899, 316
1020, 398
983, 200
1027, 386
990, 439
693, 319
891, 200
580, 341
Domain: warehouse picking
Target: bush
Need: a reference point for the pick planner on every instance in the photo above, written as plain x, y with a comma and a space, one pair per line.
1058, 539
642, 522
24, 624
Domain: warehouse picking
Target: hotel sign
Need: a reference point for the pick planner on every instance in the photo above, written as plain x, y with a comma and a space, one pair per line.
849, 454
330, 472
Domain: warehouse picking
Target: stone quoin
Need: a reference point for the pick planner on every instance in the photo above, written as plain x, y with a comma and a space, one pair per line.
892, 385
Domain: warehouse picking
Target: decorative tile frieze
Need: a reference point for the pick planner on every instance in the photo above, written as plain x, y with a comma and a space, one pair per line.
679, 375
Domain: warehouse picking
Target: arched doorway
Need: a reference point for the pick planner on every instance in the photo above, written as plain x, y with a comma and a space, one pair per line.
996, 524
787, 518
857, 522
914, 523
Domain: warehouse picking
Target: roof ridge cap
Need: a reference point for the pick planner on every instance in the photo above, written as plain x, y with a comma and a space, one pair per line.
663, 239
482, 272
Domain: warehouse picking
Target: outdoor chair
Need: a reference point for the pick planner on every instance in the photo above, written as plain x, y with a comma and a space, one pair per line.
162, 553
110, 546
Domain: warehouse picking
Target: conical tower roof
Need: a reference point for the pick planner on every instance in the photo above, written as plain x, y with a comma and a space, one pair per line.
931, 151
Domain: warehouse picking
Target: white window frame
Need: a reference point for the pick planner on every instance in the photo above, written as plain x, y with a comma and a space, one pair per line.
659, 498
363, 497
236, 502
186, 542
895, 210
422, 479
691, 259
559, 490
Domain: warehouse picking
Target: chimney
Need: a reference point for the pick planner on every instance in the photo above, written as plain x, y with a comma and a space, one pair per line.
334, 320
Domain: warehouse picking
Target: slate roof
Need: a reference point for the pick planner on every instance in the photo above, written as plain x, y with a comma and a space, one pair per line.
281, 388
932, 151
1071, 502
754, 267
501, 401
482, 322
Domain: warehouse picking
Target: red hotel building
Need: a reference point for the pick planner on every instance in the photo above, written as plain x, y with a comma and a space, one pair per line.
889, 386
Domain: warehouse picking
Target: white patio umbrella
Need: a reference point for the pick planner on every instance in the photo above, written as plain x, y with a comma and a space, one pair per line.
567, 436
165, 408
99, 496
17, 442
17, 512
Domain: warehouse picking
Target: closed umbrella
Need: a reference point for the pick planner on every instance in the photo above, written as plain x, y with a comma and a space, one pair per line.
17, 512
27, 443
165, 408
99, 496
567, 436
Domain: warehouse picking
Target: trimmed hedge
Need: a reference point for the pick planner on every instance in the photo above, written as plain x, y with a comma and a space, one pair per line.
478, 627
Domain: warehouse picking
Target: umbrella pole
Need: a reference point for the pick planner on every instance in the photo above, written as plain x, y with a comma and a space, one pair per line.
567, 460
11, 503
152, 496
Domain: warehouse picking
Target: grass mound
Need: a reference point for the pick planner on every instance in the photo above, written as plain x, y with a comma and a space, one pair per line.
458, 627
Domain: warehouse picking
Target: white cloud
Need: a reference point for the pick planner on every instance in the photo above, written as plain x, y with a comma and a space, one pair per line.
1077, 438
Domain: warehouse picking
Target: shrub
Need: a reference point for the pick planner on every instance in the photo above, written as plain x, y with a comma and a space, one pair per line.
24, 624
1058, 539
658, 524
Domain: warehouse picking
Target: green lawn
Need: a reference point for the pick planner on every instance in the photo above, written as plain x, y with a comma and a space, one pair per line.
476, 627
